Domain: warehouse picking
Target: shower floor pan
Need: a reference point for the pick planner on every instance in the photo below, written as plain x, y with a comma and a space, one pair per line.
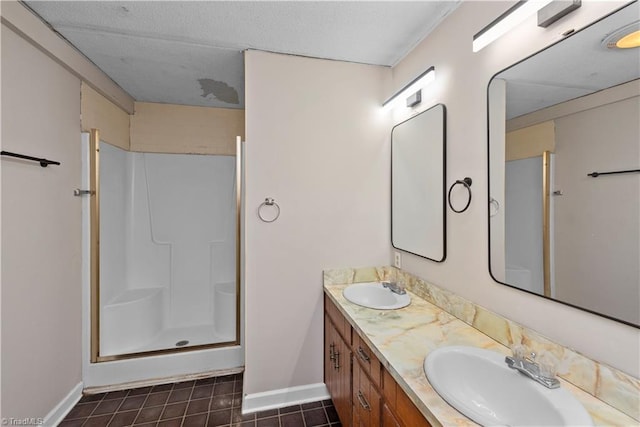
176, 337
194, 335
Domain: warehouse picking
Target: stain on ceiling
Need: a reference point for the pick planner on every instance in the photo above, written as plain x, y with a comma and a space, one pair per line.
219, 90
190, 52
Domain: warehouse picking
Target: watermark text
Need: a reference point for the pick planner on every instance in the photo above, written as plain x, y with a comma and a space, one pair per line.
27, 421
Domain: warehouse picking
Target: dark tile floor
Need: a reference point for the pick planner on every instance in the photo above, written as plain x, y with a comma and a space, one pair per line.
205, 402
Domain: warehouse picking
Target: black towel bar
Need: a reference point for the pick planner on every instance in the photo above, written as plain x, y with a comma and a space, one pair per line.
43, 162
597, 174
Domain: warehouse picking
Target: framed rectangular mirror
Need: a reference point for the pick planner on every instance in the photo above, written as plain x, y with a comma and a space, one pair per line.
564, 157
418, 222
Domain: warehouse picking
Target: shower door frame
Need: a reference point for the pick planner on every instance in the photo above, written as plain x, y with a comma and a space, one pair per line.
94, 225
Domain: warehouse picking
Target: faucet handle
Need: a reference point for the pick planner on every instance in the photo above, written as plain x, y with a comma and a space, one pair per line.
548, 364
519, 351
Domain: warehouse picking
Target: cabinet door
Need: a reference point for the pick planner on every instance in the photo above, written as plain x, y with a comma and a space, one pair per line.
398, 409
329, 350
409, 415
343, 372
388, 419
337, 370
366, 399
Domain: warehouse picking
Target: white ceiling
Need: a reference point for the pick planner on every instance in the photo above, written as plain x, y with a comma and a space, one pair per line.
577, 66
190, 52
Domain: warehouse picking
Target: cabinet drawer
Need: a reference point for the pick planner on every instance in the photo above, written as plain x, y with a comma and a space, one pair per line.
369, 362
366, 400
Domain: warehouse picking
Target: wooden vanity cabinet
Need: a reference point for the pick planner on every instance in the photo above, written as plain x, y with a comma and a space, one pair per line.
363, 392
337, 365
388, 419
367, 360
366, 385
366, 399
402, 410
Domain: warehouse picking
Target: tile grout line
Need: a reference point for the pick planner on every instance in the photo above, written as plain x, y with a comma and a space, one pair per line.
142, 406
107, 413
231, 393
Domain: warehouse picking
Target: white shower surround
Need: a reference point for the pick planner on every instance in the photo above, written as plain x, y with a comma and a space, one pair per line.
523, 244
167, 230
143, 370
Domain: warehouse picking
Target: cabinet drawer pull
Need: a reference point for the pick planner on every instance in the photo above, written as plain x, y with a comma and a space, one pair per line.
336, 360
363, 401
332, 351
364, 356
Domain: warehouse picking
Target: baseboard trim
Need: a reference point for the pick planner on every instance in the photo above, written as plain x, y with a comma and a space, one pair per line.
163, 380
57, 414
284, 397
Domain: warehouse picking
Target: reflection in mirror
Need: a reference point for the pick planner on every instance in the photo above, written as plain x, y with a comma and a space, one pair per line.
554, 118
417, 184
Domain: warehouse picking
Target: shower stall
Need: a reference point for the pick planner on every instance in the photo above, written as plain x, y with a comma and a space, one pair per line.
164, 270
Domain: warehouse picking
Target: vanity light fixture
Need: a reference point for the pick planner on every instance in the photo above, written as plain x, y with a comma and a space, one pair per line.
505, 22
556, 10
412, 91
415, 99
626, 37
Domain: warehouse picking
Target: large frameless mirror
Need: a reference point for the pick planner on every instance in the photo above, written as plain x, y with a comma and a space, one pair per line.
417, 184
564, 157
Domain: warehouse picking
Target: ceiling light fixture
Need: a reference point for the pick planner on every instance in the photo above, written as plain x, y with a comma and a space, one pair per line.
411, 90
514, 16
629, 41
626, 37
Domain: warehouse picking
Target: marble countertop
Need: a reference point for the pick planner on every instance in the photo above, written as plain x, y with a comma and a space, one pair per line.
402, 338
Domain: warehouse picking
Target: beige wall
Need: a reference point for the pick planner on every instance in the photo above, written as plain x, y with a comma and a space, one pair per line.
596, 220
168, 128
41, 289
317, 142
29, 26
531, 141
100, 113
608, 207
162, 128
461, 84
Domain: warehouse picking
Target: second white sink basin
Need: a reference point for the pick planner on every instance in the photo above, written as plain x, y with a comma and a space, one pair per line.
479, 384
374, 295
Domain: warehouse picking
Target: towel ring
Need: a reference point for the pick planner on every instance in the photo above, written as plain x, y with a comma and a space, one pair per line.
268, 202
467, 184
496, 205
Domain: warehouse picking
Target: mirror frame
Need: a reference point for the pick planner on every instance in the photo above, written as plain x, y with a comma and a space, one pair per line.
444, 184
488, 131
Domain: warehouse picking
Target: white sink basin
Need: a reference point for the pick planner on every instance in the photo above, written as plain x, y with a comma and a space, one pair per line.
374, 295
479, 384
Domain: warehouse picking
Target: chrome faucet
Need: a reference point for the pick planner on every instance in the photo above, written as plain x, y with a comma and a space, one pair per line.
531, 369
394, 287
